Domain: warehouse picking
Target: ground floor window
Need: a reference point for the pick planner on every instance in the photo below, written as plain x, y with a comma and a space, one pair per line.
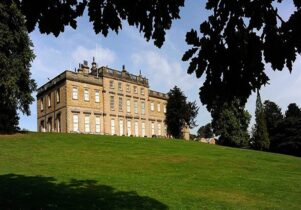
87, 123
75, 123
113, 126
129, 127
58, 123
143, 129
136, 128
121, 133
42, 126
49, 124
159, 129
153, 128
97, 124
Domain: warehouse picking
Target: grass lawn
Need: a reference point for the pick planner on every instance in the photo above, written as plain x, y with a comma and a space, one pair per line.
73, 171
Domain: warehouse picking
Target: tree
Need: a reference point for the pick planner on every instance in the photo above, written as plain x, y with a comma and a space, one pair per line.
152, 18
15, 57
235, 43
260, 137
205, 131
179, 112
287, 138
273, 116
230, 122
293, 111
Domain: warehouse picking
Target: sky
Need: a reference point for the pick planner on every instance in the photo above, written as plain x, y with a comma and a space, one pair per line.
163, 67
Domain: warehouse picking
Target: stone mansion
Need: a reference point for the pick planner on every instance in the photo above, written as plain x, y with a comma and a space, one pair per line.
101, 101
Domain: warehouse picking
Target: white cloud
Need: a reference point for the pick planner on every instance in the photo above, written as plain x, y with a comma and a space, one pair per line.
163, 72
103, 56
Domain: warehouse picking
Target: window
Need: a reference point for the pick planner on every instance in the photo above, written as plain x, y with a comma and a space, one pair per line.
143, 129
159, 129
58, 123
136, 107
120, 104
42, 104
119, 86
97, 99
142, 107
75, 123
74, 93
58, 96
135, 89
164, 109
42, 127
49, 100
142, 91
128, 88
112, 126
49, 124
159, 107
86, 95
128, 105
97, 124
152, 106
129, 127
112, 105
111, 84
136, 128
153, 128
87, 123
121, 127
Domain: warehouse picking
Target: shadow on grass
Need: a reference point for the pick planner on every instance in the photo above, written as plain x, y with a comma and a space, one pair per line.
37, 192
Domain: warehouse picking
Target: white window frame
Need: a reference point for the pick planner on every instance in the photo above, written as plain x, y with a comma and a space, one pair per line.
121, 128
135, 89
142, 91
75, 123
159, 107
86, 95
87, 123
112, 126
164, 108
128, 105
97, 124
119, 86
97, 96
152, 106
128, 88
112, 103
129, 127
153, 128
136, 128
142, 107
120, 103
159, 129
143, 129
74, 93
136, 107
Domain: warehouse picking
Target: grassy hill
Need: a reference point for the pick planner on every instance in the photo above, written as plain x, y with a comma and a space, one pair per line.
72, 171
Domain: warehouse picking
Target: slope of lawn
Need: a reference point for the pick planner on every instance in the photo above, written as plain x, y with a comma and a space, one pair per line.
74, 171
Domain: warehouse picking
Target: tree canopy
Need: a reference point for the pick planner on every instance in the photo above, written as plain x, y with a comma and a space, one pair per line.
179, 112
230, 122
151, 17
234, 43
16, 54
205, 131
260, 137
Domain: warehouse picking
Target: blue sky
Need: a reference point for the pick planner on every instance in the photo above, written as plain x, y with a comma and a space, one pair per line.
163, 67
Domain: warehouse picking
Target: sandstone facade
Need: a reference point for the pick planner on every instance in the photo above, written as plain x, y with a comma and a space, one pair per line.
101, 101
